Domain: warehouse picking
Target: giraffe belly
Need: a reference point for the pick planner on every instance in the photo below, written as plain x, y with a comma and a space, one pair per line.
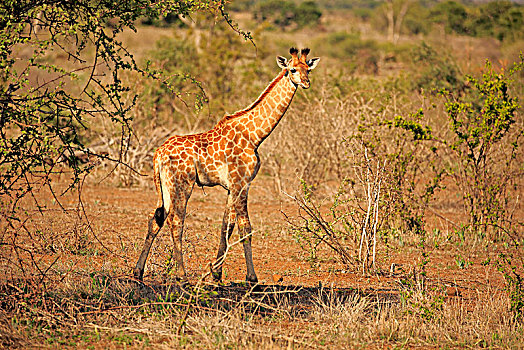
211, 175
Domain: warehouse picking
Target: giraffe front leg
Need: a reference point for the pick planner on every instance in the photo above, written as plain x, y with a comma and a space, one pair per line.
228, 224
250, 275
244, 230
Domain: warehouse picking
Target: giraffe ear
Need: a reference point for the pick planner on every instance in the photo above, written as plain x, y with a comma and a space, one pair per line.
312, 63
282, 62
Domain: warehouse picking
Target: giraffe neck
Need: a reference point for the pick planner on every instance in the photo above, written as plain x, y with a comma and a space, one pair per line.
259, 119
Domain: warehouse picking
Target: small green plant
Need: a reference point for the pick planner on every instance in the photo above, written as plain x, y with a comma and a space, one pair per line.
314, 229
122, 338
417, 301
514, 283
461, 262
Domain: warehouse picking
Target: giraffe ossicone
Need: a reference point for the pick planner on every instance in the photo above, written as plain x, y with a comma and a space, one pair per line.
227, 156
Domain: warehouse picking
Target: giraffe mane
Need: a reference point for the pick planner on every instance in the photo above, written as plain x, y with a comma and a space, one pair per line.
259, 99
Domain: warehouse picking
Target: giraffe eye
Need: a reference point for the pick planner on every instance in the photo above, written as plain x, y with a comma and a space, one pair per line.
293, 70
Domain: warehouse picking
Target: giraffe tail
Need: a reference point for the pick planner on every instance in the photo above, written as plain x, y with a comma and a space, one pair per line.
161, 212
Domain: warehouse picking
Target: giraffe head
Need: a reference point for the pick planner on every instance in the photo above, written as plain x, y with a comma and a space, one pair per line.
297, 69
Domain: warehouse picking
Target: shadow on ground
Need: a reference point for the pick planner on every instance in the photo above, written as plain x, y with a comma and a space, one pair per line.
102, 294
257, 298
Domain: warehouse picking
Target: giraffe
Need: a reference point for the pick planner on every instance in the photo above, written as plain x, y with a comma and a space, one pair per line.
226, 155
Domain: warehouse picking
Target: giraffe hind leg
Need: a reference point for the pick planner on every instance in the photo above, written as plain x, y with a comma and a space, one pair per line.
176, 218
152, 232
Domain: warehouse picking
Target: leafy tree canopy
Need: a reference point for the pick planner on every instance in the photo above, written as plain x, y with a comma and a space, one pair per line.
45, 107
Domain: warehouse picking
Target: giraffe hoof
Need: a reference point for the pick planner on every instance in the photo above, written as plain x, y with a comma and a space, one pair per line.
138, 274
217, 276
251, 279
183, 282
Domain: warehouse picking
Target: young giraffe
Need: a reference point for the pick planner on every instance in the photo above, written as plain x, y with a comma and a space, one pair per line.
227, 156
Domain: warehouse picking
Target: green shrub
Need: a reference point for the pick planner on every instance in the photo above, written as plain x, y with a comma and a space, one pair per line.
280, 13
499, 19
435, 71
416, 20
308, 14
355, 53
285, 13
452, 15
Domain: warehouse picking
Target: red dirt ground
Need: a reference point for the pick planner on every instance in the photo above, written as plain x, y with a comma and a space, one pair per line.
119, 219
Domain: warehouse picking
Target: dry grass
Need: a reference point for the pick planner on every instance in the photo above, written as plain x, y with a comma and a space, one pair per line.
423, 319
119, 313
